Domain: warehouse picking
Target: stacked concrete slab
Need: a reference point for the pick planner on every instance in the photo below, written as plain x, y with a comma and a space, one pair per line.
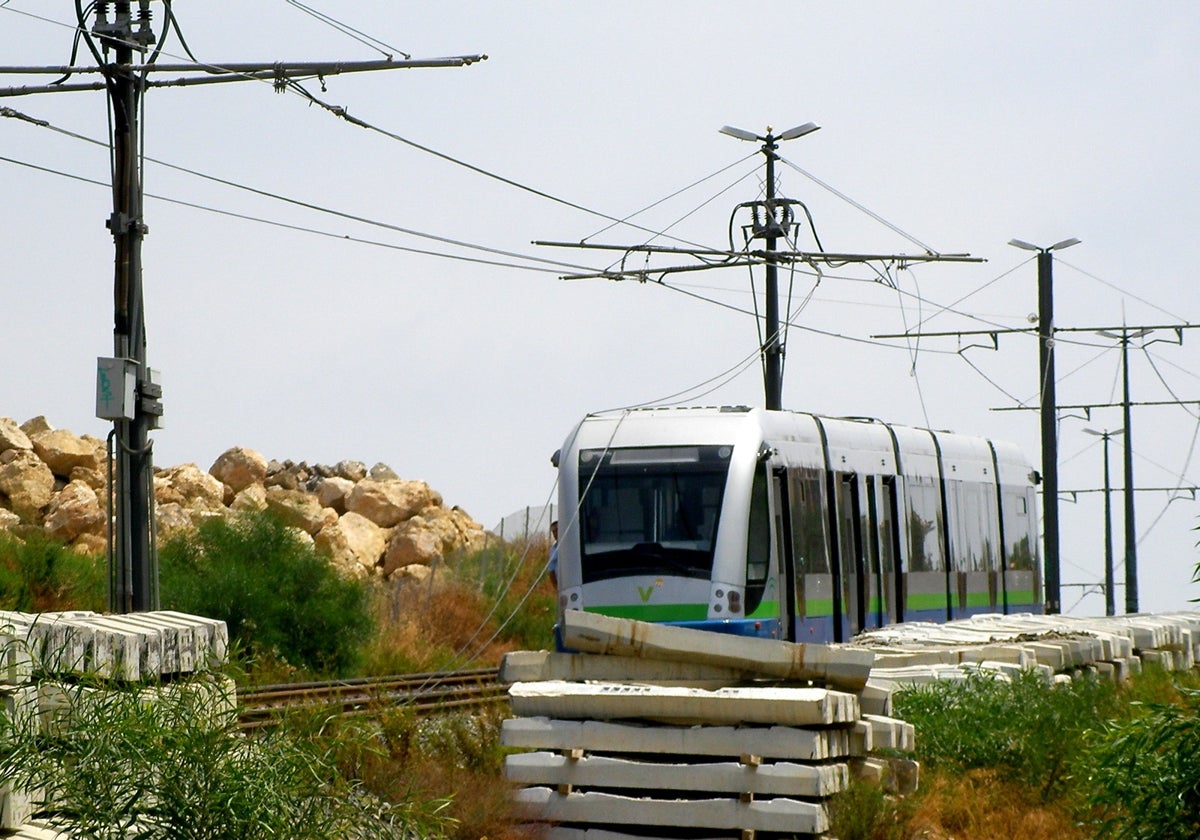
1057, 646
661, 731
47, 658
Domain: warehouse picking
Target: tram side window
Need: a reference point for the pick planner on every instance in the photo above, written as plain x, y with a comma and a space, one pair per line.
924, 526
758, 542
810, 521
1017, 531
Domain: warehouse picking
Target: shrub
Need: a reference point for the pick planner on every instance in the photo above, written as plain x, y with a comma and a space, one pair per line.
277, 595
1027, 730
38, 574
1144, 777
122, 764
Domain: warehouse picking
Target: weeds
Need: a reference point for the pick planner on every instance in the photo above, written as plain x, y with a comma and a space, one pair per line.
38, 574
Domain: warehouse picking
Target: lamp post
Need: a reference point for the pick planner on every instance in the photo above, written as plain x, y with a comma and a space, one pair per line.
1048, 415
1110, 607
772, 348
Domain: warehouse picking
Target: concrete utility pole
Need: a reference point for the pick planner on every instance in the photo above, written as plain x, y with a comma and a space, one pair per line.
127, 391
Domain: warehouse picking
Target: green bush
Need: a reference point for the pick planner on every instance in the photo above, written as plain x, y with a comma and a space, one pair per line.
124, 764
1030, 732
1144, 776
277, 595
38, 574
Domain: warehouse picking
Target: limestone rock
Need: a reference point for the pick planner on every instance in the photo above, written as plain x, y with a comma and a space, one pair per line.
239, 468
8, 519
27, 483
299, 510
197, 489
332, 491
63, 451
97, 479
419, 545
353, 540
36, 425
92, 544
11, 436
253, 497
75, 510
388, 503
171, 519
382, 472
415, 573
353, 471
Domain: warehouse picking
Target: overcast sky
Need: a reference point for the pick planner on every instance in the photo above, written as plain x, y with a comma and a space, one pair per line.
308, 336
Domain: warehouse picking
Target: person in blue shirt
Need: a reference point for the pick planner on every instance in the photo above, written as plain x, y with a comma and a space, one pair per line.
552, 566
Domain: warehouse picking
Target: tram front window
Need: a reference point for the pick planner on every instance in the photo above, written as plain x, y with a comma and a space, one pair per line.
650, 511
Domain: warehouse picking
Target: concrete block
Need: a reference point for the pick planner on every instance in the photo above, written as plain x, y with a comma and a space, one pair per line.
614, 701
839, 666
602, 772
776, 815
770, 742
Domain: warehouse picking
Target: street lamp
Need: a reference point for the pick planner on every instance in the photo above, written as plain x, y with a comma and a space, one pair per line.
772, 346
1110, 607
1048, 415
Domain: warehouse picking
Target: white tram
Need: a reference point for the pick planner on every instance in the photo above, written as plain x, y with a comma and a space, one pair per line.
789, 525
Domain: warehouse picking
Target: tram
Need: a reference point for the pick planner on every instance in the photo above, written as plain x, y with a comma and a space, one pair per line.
789, 525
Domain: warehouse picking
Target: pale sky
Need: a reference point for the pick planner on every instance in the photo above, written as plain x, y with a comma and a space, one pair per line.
963, 125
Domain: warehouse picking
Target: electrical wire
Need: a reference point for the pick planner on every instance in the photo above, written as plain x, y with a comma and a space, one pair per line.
1124, 292
830, 188
357, 34
293, 227
8, 112
675, 194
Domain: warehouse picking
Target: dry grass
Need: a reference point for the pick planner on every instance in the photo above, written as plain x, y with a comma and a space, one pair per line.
979, 805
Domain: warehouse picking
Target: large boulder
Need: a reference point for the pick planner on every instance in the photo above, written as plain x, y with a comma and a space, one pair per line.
239, 467
389, 502
414, 543
74, 511
299, 510
172, 519
27, 483
353, 541
189, 486
63, 451
331, 491
11, 436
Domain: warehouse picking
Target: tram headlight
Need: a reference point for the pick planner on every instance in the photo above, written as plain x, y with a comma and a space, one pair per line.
725, 601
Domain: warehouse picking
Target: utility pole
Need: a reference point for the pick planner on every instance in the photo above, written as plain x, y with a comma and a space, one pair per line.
1110, 606
772, 218
775, 219
127, 391
1049, 417
135, 569
1131, 577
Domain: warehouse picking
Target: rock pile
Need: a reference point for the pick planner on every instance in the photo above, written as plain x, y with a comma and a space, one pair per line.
370, 522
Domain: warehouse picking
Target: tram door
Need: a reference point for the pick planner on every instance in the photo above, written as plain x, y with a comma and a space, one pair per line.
785, 567
865, 550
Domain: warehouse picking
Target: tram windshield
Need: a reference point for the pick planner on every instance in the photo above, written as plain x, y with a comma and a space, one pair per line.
650, 511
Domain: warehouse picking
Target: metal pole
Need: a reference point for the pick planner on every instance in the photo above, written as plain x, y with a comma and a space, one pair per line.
772, 346
1109, 596
1049, 430
1131, 578
135, 557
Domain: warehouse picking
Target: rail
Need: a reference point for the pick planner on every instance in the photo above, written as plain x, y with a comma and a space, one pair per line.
424, 693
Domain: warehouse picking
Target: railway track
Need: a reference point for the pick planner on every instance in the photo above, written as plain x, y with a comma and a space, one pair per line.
426, 693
